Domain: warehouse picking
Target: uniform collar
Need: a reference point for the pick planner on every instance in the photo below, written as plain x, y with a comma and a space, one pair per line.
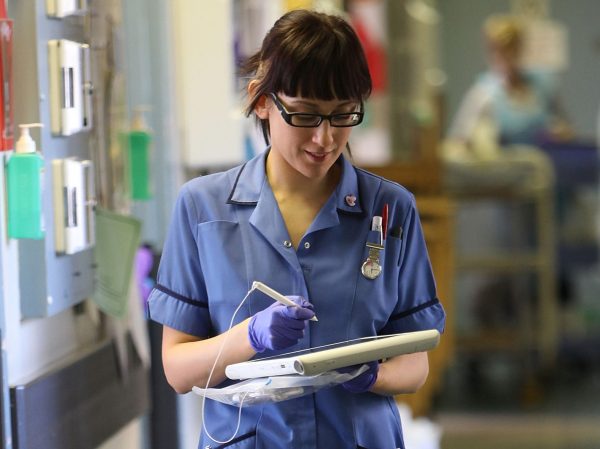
252, 177
249, 181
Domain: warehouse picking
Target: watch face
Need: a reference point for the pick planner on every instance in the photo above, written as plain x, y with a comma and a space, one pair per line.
370, 269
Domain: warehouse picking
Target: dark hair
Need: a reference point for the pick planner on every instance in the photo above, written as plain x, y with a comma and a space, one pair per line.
309, 54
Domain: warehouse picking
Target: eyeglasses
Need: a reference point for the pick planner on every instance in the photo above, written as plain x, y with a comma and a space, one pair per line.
306, 120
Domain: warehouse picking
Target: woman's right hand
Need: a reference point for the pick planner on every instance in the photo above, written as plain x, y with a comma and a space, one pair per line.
279, 326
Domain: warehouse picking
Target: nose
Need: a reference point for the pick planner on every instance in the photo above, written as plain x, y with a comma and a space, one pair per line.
323, 134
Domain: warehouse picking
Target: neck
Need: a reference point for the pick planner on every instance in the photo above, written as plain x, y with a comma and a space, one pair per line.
514, 79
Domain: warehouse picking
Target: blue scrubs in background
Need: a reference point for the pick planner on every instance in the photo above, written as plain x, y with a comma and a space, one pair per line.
526, 121
227, 232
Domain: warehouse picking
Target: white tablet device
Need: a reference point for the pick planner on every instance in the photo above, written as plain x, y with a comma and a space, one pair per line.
354, 352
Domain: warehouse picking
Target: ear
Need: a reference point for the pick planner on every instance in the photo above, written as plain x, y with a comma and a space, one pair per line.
260, 108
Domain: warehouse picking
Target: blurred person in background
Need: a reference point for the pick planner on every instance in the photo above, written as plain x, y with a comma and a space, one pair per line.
510, 111
509, 104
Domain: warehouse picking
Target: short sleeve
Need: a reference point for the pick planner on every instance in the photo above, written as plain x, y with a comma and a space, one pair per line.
418, 306
179, 300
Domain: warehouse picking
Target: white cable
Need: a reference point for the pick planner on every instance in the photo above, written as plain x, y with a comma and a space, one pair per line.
210, 376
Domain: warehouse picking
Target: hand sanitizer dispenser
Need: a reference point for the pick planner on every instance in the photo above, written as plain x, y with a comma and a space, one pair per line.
24, 185
139, 140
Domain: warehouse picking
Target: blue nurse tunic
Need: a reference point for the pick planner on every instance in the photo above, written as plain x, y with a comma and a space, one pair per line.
227, 231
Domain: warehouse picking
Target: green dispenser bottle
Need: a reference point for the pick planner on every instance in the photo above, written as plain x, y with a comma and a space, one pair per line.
24, 175
140, 138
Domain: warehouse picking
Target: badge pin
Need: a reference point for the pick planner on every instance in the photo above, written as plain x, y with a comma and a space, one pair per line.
350, 200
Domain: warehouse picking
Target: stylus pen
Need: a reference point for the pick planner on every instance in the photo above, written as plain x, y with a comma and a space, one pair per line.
276, 296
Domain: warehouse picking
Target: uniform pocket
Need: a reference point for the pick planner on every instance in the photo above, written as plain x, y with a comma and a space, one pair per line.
224, 267
220, 249
393, 247
376, 291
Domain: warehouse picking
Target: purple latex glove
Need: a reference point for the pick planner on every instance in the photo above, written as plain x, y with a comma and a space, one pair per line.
279, 326
363, 382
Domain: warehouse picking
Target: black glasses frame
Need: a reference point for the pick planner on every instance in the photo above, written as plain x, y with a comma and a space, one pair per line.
288, 116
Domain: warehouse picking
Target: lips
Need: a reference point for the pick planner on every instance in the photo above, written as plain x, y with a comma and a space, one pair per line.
318, 156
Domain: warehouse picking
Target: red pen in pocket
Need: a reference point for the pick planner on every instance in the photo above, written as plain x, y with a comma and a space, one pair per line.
384, 220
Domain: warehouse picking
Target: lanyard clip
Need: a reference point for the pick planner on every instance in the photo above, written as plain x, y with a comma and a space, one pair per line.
371, 268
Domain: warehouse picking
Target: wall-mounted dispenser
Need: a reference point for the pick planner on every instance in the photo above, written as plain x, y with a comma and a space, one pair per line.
60, 280
139, 143
63, 8
70, 87
74, 201
25, 188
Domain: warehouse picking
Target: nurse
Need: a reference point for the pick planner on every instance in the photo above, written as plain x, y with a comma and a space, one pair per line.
520, 103
298, 218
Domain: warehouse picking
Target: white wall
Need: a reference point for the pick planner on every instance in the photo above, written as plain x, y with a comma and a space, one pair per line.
207, 96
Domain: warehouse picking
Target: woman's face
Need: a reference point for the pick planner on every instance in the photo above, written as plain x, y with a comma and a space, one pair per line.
309, 151
504, 60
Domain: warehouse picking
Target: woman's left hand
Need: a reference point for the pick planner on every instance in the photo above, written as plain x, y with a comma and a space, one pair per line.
363, 382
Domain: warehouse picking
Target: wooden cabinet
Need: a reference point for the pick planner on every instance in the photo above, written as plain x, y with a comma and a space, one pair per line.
437, 219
